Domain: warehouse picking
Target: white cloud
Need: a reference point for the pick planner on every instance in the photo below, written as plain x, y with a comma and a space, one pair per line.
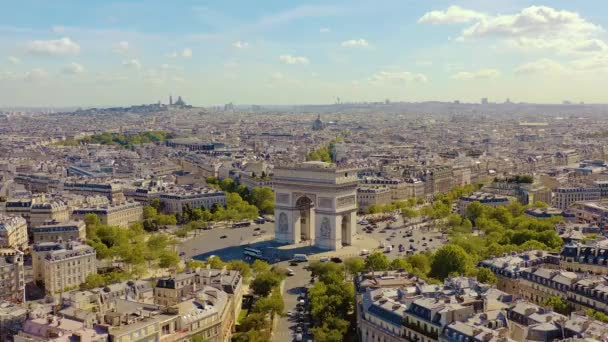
132, 63
187, 53
398, 76
324, 30
172, 55
36, 75
453, 15
541, 66
14, 60
73, 69
122, 47
534, 27
58, 47
240, 45
355, 43
289, 59
476, 75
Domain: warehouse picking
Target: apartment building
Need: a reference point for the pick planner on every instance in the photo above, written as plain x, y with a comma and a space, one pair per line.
174, 201
60, 266
117, 214
170, 291
85, 187
48, 211
564, 197
12, 283
59, 231
372, 195
484, 198
13, 232
592, 212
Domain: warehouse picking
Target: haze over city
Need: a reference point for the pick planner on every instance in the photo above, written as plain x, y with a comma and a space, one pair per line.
289, 171
104, 53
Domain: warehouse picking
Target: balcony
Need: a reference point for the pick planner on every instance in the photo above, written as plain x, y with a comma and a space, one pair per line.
421, 330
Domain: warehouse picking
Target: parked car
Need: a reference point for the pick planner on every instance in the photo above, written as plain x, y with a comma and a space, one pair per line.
364, 252
336, 260
223, 237
324, 259
290, 272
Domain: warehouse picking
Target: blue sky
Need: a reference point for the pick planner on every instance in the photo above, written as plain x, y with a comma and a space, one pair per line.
83, 53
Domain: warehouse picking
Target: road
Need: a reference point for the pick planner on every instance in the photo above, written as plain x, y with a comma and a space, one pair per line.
228, 248
420, 236
293, 286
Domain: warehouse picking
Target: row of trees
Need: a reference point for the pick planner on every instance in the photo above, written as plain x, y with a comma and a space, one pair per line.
331, 302
257, 325
262, 198
127, 141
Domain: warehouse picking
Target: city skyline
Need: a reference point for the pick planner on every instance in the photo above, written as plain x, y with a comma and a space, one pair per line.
128, 52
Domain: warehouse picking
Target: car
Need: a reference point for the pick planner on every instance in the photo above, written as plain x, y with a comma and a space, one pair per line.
290, 272
293, 263
223, 237
298, 337
424, 238
368, 231
412, 240
256, 229
389, 239
324, 259
336, 260
430, 240
256, 234
364, 252
182, 253
424, 244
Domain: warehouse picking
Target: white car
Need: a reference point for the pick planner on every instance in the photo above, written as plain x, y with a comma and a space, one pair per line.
364, 252
290, 272
324, 259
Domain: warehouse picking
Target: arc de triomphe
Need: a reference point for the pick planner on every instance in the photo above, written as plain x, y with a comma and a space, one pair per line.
315, 201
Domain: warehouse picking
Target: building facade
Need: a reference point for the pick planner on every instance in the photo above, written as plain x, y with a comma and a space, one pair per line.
13, 232
121, 214
60, 266
12, 283
63, 231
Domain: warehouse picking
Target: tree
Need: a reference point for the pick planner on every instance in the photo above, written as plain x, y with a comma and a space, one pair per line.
150, 212
540, 204
421, 263
354, 265
486, 276
474, 210
242, 267
194, 264
272, 304
215, 262
254, 321
156, 204
558, 304
401, 264
377, 262
263, 199
449, 259
264, 282
168, 259
92, 281
260, 266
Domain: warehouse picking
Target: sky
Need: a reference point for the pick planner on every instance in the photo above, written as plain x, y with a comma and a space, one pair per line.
105, 53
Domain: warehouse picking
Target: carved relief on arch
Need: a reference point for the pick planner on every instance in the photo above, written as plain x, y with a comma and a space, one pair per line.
325, 228
283, 223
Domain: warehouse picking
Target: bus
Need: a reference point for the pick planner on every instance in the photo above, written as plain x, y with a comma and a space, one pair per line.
252, 253
241, 224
